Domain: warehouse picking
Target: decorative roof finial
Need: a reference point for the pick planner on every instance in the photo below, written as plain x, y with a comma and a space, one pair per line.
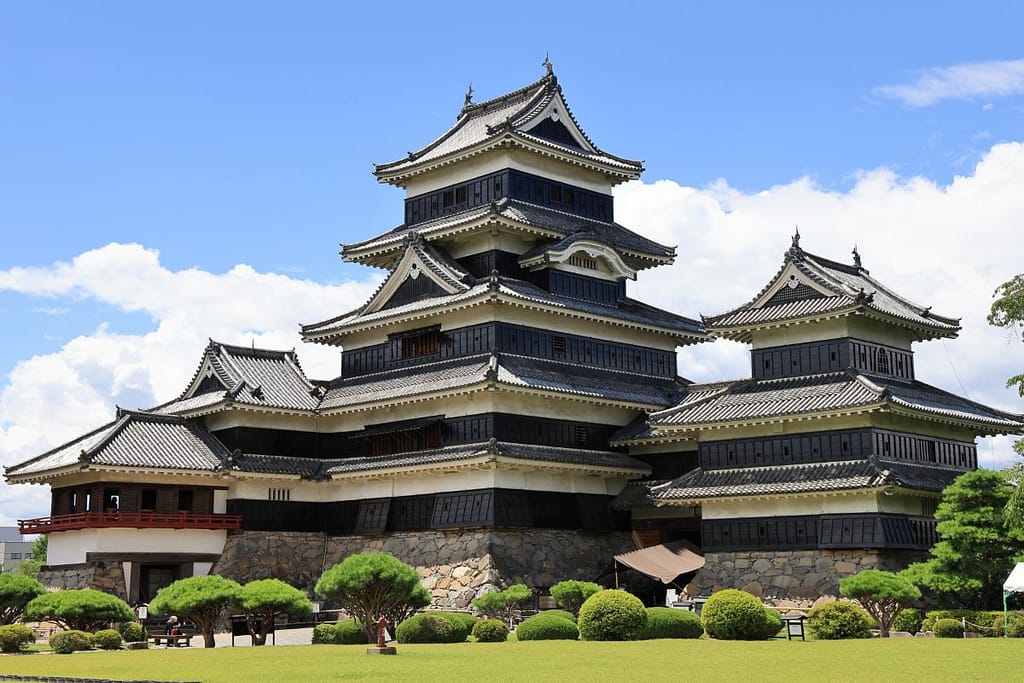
469, 96
856, 256
795, 252
548, 65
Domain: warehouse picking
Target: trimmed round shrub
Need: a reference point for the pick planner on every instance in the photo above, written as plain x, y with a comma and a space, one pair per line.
466, 620
612, 615
66, 642
132, 632
107, 639
15, 637
839, 621
324, 634
772, 623
547, 626
349, 632
561, 613
908, 620
665, 622
948, 628
430, 628
490, 631
735, 615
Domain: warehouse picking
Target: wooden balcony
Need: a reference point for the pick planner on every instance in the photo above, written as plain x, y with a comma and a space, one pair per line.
129, 520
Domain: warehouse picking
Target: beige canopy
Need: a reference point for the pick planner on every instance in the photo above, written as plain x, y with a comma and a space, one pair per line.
665, 562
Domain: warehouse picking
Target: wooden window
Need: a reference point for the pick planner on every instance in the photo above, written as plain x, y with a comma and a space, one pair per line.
420, 345
582, 436
185, 500
883, 361
447, 198
558, 345
460, 195
147, 500
279, 494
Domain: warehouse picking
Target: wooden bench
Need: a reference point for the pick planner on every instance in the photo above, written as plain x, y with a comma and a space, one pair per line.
171, 641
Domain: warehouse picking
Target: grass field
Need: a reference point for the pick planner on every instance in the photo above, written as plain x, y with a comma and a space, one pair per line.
926, 660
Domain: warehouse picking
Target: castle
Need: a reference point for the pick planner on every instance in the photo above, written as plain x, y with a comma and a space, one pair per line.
507, 413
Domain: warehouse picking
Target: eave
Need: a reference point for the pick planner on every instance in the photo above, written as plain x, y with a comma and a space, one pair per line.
335, 336
745, 333
616, 171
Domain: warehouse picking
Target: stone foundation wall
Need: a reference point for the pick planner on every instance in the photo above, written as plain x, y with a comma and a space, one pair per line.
456, 566
104, 576
791, 574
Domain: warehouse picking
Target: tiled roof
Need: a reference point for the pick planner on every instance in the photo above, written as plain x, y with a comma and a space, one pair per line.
508, 116
805, 478
601, 384
850, 289
475, 372
448, 375
501, 289
748, 399
247, 376
759, 400
487, 451
638, 251
134, 439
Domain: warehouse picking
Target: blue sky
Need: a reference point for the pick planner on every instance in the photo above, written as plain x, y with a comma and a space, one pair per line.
233, 143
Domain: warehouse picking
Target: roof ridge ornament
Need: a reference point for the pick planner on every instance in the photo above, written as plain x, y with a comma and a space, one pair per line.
548, 66
795, 253
469, 96
856, 257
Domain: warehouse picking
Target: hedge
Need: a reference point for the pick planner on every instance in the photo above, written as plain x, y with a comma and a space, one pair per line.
547, 626
666, 622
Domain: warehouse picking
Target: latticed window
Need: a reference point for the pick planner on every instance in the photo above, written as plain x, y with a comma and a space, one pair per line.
425, 344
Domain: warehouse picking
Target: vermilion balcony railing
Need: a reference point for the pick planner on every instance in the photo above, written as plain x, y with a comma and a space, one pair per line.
132, 520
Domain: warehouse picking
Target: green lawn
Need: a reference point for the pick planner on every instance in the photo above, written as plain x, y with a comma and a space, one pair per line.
696, 660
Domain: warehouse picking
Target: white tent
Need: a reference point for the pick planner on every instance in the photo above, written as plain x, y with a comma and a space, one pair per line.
1014, 584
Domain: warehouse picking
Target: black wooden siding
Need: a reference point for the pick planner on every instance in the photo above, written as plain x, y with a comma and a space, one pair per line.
814, 532
516, 339
130, 497
850, 444
795, 360
459, 509
509, 183
457, 430
484, 263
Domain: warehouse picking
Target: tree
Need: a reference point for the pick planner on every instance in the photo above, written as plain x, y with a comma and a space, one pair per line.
570, 595
85, 609
371, 585
30, 567
882, 594
503, 604
199, 599
1008, 311
977, 546
16, 592
264, 600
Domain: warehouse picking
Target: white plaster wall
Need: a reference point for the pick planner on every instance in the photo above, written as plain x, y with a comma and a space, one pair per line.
904, 505
201, 568
503, 158
857, 327
70, 547
785, 507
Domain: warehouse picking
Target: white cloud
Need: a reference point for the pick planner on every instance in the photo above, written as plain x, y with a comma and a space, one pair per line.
947, 246
959, 82
52, 398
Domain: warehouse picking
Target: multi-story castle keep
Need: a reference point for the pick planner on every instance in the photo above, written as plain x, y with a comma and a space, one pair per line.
506, 413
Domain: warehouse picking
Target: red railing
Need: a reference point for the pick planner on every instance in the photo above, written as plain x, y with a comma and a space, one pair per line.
132, 520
